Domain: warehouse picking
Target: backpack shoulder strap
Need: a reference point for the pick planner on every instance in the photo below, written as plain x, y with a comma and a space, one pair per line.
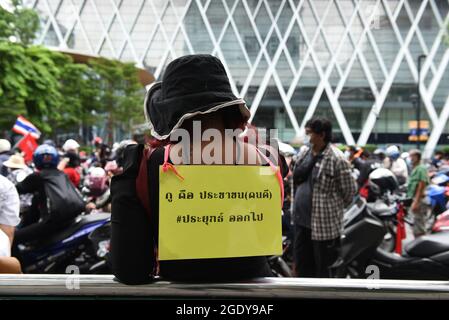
142, 179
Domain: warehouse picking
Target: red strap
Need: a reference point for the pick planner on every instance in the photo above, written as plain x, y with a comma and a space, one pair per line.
142, 179
400, 230
278, 174
167, 165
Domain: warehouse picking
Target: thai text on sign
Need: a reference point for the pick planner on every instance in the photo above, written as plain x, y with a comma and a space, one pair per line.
219, 212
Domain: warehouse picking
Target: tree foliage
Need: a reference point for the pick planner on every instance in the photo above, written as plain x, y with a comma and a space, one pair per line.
52, 91
120, 93
18, 25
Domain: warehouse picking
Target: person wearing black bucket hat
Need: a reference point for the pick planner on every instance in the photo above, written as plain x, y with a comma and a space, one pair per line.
193, 87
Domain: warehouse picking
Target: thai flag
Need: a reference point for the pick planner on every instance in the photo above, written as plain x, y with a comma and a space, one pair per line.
23, 127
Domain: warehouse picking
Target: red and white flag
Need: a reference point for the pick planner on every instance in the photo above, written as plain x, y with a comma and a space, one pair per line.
27, 144
23, 127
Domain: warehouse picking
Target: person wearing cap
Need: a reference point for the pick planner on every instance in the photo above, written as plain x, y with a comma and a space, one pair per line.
71, 162
9, 219
5, 149
193, 88
416, 187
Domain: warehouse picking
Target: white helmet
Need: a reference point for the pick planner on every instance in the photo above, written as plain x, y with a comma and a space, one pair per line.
97, 172
286, 149
70, 145
5, 145
405, 155
393, 152
115, 146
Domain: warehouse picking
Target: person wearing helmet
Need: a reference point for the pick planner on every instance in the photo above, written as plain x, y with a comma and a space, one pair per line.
418, 182
397, 165
42, 218
71, 162
49, 142
5, 149
119, 152
97, 187
379, 154
70, 145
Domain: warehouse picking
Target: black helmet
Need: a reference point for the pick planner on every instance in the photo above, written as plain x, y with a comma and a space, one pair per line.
382, 180
119, 152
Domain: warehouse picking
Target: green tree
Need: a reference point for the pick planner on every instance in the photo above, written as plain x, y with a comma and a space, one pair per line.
20, 24
52, 91
30, 78
29, 84
78, 94
120, 93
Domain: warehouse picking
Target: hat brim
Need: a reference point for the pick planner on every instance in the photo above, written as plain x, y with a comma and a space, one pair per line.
13, 165
155, 90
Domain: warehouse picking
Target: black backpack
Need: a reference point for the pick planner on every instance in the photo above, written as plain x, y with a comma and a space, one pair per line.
64, 201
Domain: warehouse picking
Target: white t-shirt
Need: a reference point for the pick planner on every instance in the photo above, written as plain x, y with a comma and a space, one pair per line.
5, 245
9, 203
399, 168
9, 212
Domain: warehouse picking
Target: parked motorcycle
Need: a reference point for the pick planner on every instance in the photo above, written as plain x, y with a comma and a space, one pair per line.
425, 258
280, 264
84, 244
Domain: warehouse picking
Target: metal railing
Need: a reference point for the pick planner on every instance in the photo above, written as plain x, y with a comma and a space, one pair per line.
104, 287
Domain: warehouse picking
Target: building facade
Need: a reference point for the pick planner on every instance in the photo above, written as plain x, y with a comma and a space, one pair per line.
353, 61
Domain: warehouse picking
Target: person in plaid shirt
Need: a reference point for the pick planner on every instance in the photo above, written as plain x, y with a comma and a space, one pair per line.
325, 186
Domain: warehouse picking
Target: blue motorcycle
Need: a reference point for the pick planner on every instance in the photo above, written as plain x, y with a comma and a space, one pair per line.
83, 244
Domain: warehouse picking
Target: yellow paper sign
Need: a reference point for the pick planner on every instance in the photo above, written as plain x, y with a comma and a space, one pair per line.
219, 212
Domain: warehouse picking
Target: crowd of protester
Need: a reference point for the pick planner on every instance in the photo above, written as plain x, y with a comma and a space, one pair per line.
317, 230
322, 181
24, 213
316, 235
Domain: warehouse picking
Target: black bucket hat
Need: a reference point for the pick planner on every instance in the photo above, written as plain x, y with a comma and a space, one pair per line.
191, 85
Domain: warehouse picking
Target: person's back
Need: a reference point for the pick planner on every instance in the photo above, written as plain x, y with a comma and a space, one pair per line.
396, 164
135, 233
400, 170
141, 251
50, 210
71, 166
